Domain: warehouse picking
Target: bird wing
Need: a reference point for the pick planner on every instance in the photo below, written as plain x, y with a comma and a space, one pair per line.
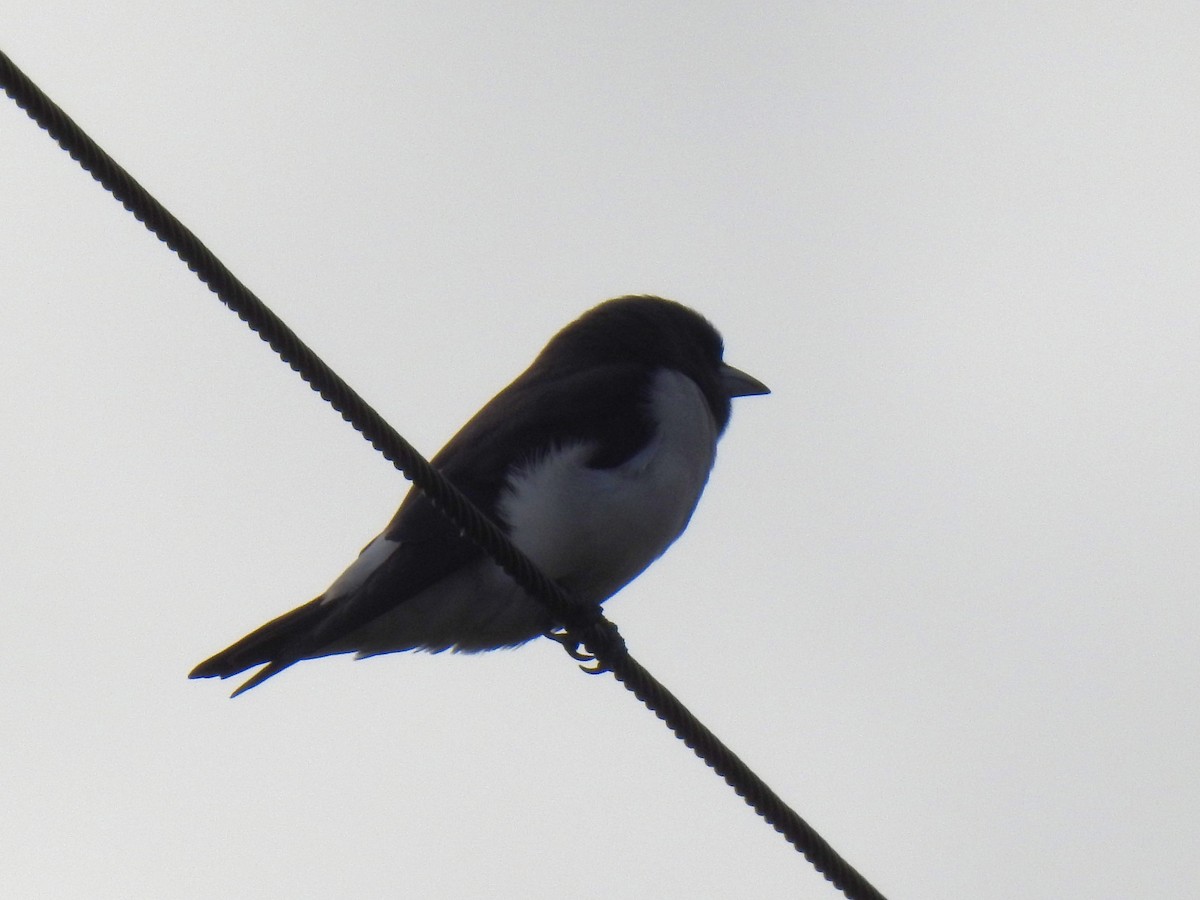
603, 406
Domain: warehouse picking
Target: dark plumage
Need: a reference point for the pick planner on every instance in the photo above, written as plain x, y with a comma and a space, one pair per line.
592, 461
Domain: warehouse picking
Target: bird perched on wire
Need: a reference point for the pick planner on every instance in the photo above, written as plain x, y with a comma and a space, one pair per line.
592, 462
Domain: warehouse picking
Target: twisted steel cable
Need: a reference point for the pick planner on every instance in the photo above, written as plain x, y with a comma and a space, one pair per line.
585, 625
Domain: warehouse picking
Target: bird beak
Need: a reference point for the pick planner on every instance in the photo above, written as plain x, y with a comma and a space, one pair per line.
738, 384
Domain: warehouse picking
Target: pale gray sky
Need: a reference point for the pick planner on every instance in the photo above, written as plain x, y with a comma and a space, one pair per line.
941, 592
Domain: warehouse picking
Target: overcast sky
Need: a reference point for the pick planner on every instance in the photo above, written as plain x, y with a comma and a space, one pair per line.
941, 592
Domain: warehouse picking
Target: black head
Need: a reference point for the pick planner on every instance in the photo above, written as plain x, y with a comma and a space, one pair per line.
656, 333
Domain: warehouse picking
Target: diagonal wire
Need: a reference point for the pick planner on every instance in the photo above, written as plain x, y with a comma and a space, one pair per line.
585, 625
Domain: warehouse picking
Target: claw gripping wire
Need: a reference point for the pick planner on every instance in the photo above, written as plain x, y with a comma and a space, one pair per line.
585, 628
572, 643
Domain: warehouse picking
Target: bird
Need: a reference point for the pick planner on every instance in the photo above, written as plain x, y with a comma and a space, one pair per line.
591, 461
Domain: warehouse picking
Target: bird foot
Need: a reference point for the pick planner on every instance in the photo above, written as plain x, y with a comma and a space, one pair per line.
608, 636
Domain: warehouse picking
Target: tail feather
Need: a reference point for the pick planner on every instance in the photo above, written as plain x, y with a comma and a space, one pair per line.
262, 675
280, 643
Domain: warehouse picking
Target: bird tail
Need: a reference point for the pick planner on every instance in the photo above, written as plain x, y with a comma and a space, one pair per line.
279, 643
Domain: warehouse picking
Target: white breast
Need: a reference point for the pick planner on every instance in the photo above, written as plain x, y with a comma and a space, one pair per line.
594, 530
